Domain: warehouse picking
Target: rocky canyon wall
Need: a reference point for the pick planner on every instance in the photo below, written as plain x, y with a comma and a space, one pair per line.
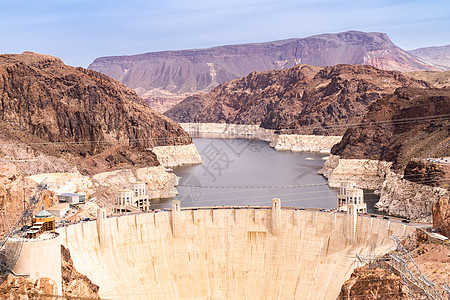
398, 196
402, 197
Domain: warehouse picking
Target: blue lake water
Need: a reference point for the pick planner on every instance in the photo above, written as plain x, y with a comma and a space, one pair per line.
250, 172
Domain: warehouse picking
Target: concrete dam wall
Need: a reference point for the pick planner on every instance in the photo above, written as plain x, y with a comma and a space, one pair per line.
219, 253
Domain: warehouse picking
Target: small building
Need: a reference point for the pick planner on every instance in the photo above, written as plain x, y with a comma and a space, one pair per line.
342, 194
41, 222
134, 199
350, 195
140, 196
125, 197
59, 210
355, 197
72, 198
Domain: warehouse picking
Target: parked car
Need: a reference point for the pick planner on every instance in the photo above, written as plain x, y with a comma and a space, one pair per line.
405, 221
386, 217
373, 216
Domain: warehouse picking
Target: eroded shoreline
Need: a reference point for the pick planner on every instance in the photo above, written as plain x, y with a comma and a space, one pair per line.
280, 142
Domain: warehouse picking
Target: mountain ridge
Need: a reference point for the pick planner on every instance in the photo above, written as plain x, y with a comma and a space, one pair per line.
200, 70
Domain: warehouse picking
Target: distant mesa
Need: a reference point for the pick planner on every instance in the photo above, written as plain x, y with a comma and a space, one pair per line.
168, 74
436, 56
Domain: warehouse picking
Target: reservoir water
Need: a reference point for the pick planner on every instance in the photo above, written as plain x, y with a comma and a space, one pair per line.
250, 172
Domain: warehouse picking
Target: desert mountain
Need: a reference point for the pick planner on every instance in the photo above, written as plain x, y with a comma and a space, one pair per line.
56, 118
171, 73
436, 56
77, 113
411, 123
302, 99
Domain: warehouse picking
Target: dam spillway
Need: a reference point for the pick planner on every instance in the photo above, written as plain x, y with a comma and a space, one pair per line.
225, 253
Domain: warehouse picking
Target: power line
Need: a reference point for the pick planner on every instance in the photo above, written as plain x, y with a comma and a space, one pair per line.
174, 138
253, 186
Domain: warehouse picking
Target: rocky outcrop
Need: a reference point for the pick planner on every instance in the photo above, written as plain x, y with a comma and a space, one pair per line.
441, 215
163, 74
411, 123
21, 288
398, 196
367, 173
280, 142
173, 156
374, 284
75, 284
300, 100
14, 187
162, 104
402, 197
313, 143
428, 172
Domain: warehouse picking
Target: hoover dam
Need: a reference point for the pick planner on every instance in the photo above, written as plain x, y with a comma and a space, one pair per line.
225, 252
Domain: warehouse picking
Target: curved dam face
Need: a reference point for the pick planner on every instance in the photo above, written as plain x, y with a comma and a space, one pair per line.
253, 253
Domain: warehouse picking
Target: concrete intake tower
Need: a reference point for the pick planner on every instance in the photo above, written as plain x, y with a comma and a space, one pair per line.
225, 253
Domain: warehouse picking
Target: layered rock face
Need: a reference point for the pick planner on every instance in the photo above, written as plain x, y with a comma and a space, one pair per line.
14, 188
373, 284
367, 173
75, 284
303, 99
59, 103
168, 73
77, 114
401, 197
441, 215
14, 288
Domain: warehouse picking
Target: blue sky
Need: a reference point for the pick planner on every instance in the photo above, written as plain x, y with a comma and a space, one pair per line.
78, 31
